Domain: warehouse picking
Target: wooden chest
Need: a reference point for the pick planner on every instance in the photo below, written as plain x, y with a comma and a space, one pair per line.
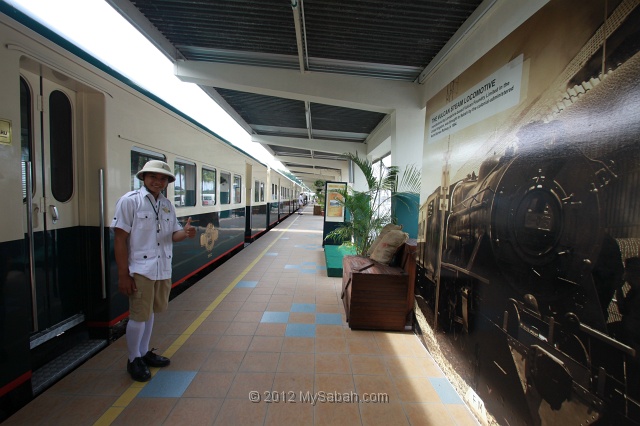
375, 296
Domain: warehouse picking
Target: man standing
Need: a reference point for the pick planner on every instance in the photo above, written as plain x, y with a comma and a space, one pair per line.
145, 227
300, 203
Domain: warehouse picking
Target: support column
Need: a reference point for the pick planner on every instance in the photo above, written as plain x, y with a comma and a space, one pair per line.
407, 140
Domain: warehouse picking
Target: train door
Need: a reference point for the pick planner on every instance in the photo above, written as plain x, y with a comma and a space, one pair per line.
52, 212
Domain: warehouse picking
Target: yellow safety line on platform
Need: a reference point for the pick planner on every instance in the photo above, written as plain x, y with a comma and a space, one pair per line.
125, 399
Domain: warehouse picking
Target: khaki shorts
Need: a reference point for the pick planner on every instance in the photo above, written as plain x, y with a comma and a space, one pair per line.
152, 296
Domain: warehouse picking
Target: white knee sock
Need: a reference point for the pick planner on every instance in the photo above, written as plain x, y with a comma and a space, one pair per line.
135, 331
146, 336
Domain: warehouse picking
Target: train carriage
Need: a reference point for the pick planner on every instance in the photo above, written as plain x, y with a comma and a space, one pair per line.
74, 133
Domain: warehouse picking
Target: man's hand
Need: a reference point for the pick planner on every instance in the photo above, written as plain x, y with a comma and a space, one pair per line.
189, 230
126, 285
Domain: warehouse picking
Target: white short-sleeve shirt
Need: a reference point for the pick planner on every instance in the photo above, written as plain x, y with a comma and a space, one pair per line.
150, 225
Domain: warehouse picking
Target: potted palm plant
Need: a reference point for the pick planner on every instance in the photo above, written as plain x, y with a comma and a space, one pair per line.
370, 210
318, 209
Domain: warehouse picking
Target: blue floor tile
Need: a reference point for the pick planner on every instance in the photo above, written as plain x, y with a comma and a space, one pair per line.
271, 254
330, 319
279, 317
303, 307
321, 268
250, 284
445, 391
300, 330
167, 384
291, 266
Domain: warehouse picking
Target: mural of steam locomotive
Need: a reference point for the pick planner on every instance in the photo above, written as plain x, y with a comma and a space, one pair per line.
520, 264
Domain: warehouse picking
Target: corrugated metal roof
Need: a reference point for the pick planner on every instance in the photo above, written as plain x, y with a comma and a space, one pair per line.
373, 38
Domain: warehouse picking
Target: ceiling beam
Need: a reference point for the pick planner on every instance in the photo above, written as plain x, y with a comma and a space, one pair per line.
333, 147
369, 94
310, 178
319, 162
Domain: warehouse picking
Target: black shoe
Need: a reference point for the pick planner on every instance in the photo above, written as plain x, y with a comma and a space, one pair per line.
154, 360
138, 370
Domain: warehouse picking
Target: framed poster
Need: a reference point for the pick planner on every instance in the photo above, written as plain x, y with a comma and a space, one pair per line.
334, 202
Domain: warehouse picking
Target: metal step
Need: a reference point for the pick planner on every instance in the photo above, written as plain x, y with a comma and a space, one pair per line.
53, 371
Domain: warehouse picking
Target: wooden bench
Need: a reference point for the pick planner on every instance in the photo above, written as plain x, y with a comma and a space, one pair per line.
377, 296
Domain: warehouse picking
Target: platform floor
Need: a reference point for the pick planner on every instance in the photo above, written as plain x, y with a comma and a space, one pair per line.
269, 325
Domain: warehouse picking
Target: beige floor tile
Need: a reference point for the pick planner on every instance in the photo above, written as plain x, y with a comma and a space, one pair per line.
213, 326
271, 329
331, 383
209, 385
405, 366
296, 363
230, 305
377, 384
146, 411
254, 306
259, 298
194, 411
233, 343
362, 347
329, 309
278, 307
289, 413
326, 330
244, 383
331, 345
367, 364
187, 360
266, 344
76, 384
200, 343
382, 414
223, 361
332, 363
336, 414
293, 383
299, 344
428, 414
241, 412
416, 389
249, 316
260, 362
302, 318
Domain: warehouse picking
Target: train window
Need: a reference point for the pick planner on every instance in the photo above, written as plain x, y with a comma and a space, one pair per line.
237, 189
26, 136
60, 143
209, 187
256, 191
225, 188
139, 158
185, 184
261, 191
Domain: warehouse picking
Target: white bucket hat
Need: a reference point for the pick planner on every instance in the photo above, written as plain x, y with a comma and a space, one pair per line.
156, 166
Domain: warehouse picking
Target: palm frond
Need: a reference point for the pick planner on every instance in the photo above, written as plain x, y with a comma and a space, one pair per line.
367, 208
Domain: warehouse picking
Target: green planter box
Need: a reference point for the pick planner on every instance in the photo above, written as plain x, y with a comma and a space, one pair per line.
333, 256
